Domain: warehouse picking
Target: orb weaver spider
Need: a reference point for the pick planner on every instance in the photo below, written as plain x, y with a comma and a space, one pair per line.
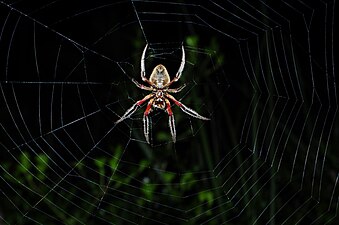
159, 82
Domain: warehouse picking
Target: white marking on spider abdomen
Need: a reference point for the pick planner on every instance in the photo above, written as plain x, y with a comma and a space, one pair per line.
159, 103
160, 78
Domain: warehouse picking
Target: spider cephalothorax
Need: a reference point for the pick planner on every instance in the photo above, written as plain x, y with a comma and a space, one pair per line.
159, 82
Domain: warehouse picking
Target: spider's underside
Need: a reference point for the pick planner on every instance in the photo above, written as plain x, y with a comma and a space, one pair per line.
159, 82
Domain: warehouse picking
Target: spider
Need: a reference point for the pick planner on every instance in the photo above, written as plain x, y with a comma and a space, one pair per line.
159, 82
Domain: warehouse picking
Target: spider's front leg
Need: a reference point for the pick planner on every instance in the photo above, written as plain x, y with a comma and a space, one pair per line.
141, 86
181, 68
176, 90
134, 108
143, 70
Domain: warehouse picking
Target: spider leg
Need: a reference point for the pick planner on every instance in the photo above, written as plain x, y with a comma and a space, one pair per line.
171, 122
181, 68
185, 109
134, 108
182, 65
143, 70
176, 90
141, 86
146, 119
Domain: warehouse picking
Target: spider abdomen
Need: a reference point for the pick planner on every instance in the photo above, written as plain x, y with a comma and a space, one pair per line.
159, 103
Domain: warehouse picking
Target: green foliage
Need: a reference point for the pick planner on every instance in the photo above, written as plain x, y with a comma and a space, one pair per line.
206, 196
168, 177
41, 162
28, 168
192, 40
148, 190
187, 181
23, 168
113, 162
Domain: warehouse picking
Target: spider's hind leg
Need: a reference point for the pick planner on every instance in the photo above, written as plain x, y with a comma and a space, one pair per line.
185, 109
171, 121
147, 120
129, 112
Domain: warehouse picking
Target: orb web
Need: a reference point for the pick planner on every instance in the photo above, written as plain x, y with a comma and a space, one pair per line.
264, 72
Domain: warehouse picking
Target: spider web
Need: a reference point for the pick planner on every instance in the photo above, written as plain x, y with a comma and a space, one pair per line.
264, 72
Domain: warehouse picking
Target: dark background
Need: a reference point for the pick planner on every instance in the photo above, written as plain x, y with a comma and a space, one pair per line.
263, 72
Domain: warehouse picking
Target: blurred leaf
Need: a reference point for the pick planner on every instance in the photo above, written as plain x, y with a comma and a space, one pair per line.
168, 177
42, 164
113, 162
24, 167
148, 190
100, 162
192, 40
187, 181
143, 165
206, 196
187, 177
25, 162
